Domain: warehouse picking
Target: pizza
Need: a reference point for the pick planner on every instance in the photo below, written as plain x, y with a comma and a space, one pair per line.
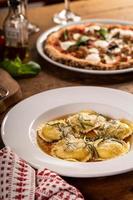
92, 46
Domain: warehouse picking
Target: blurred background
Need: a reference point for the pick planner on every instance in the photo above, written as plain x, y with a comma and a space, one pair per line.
3, 3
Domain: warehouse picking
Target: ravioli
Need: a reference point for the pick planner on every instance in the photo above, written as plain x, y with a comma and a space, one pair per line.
110, 148
118, 129
84, 122
85, 136
73, 149
52, 131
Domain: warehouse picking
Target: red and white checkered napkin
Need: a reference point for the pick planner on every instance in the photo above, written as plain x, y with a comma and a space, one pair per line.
20, 181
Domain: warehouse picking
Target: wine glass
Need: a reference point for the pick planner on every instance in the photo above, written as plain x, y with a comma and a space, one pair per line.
66, 15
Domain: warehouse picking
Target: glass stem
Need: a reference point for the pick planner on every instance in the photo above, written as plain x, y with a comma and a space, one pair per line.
67, 4
24, 7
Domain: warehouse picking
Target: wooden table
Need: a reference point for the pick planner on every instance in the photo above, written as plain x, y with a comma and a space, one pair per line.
118, 187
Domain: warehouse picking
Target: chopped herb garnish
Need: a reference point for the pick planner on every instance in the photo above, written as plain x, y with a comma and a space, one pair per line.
93, 151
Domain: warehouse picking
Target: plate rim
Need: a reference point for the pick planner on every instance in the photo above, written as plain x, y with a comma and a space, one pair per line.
43, 36
86, 87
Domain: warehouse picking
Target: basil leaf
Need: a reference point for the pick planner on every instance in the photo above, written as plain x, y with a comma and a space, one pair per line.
103, 32
18, 69
30, 68
18, 61
82, 40
65, 35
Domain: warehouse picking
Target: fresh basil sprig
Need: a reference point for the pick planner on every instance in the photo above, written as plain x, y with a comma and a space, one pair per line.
18, 69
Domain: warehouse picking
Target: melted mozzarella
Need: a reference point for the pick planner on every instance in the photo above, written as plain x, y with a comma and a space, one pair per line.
101, 43
116, 50
93, 50
127, 33
67, 44
93, 57
92, 28
123, 33
113, 32
109, 60
76, 36
118, 41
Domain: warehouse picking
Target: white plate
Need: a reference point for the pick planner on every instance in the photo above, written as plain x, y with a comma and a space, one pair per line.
43, 37
19, 127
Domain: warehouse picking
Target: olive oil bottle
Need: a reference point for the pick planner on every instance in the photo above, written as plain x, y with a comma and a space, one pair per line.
16, 31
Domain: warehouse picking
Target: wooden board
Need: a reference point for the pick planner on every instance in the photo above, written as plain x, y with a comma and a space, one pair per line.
15, 93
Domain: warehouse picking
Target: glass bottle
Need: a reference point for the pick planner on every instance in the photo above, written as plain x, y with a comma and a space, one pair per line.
16, 31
